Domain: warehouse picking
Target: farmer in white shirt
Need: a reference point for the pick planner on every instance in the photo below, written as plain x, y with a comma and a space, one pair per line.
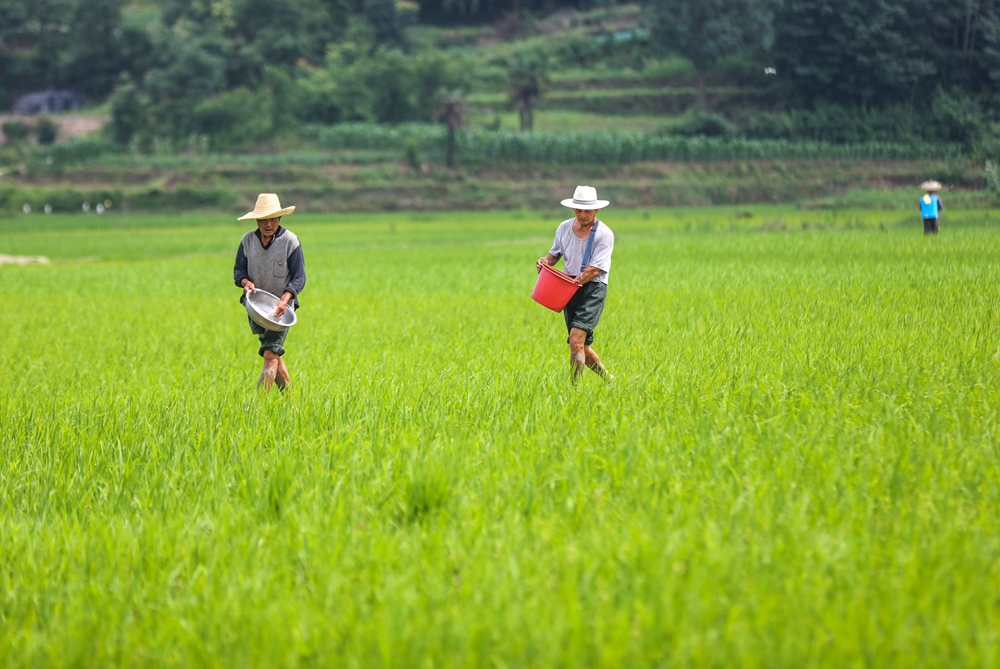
586, 243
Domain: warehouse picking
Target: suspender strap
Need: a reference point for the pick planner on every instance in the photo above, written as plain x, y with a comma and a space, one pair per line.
590, 245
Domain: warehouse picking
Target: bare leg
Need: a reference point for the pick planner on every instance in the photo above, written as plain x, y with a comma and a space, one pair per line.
577, 353
270, 371
282, 377
594, 363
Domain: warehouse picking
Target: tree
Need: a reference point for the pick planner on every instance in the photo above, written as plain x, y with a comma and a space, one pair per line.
870, 53
34, 35
190, 67
95, 50
527, 76
385, 21
81, 45
853, 51
704, 31
451, 114
127, 111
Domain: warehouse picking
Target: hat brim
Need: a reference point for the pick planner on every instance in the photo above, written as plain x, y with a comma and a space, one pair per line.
587, 206
262, 215
931, 185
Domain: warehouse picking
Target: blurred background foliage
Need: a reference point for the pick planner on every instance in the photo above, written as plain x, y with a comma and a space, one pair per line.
212, 76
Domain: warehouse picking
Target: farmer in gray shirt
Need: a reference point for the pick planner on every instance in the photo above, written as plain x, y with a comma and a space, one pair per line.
270, 258
573, 237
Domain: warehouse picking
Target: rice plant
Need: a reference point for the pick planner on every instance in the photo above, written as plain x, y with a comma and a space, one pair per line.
797, 464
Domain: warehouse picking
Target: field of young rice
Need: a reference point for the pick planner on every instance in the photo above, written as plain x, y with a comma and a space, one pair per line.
796, 466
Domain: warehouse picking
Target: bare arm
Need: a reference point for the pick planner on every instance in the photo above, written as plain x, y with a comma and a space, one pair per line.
548, 261
587, 274
286, 297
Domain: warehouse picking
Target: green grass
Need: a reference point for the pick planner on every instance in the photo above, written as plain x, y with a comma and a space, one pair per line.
558, 96
555, 120
797, 465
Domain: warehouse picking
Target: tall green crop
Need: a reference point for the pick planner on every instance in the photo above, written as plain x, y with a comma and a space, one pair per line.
796, 466
610, 146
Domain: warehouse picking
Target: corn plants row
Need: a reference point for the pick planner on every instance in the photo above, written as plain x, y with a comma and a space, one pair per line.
611, 146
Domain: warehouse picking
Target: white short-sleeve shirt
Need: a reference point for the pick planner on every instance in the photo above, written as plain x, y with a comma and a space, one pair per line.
572, 248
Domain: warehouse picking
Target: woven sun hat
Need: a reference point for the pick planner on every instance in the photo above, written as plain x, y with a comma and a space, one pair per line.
267, 206
585, 197
931, 185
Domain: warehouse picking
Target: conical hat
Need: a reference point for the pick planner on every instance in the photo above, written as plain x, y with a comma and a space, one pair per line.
931, 185
267, 206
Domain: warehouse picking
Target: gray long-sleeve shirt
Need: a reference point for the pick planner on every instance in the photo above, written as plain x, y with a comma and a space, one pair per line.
277, 267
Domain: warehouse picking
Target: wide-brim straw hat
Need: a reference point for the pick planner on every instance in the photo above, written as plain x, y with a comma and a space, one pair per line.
585, 197
268, 206
931, 185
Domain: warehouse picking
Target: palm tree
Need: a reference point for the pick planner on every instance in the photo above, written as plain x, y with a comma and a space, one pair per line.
450, 113
527, 76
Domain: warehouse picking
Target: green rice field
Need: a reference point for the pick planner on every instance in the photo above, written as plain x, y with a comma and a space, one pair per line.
798, 464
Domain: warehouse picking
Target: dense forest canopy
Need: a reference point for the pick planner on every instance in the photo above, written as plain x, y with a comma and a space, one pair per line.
238, 70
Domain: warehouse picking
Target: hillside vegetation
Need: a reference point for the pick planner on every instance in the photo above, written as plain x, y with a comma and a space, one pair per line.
191, 86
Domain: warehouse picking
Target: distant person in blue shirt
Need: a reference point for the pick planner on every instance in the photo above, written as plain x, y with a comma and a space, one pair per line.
930, 207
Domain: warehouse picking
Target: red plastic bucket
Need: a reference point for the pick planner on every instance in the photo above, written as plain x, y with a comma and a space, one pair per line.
553, 289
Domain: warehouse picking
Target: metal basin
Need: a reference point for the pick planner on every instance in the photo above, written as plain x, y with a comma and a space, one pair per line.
261, 305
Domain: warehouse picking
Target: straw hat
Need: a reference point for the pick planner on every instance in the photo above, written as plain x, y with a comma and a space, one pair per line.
267, 206
585, 197
931, 185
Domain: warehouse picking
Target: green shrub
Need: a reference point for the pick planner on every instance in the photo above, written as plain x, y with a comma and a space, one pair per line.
737, 69
10, 155
373, 136
72, 151
578, 51
15, 132
236, 119
127, 110
188, 197
760, 125
957, 117
411, 152
704, 124
992, 170
847, 125
46, 130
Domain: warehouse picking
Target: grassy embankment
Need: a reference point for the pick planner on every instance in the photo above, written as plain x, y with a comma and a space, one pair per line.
797, 464
384, 175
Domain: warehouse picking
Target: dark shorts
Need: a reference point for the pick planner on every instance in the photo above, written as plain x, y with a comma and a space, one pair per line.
269, 340
930, 226
584, 309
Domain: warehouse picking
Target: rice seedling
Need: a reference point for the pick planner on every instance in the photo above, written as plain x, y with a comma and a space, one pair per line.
797, 464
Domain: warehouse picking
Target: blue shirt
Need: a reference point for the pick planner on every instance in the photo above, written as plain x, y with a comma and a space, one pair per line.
930, 205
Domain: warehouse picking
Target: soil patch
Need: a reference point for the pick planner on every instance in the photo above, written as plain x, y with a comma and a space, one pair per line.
70, 125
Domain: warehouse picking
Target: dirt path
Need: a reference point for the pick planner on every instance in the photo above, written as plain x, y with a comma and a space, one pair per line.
70, 125
23, 260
